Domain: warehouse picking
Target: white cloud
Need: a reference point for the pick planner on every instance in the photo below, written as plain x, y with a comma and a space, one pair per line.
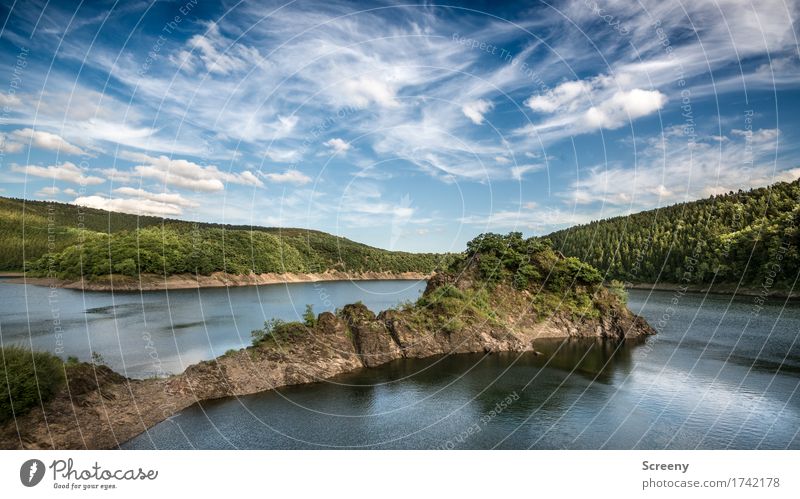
338, 145
7, 100
518, 171
623, 107
161, 197
7, 146
476, 109
283, 155
47, 192
362, 92
216, 53
288, 177
43, 140
127, 205
566, 96
529, 216
182, 173
670, 170
285, 125
68, 172
577, 107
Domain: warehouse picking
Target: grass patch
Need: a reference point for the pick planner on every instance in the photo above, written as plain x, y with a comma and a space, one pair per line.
27, 379
275, 330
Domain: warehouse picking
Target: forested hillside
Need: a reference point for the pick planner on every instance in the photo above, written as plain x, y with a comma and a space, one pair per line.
126, 244
752, 236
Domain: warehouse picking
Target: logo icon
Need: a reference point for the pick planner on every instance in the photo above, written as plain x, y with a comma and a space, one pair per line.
31, 472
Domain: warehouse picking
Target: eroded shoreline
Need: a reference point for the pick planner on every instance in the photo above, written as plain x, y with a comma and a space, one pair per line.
100, 409
153, 282
718, 289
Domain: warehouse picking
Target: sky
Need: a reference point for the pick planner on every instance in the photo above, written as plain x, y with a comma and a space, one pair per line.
404, 126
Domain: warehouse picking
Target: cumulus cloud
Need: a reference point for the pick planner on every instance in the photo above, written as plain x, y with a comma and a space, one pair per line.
670, 171
528, 216
476, 109
183, 173
161, 197
577, 107
66, 171
337, 145
564, 97
8, 146
136, 206
42, 140
288, 177
623, 107
361, 92
47, 192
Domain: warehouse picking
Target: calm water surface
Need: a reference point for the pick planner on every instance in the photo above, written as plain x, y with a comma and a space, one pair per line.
159, 332
717, 376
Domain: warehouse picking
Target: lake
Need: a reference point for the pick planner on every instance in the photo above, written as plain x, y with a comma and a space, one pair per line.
721, 374
162, 332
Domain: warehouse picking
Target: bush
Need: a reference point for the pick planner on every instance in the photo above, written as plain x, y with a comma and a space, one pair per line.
617, 288
27, 379
277, 329
259, 335
309, 319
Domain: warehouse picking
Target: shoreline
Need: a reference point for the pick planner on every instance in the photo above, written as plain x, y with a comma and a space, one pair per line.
718, 289
155, 282
101, 409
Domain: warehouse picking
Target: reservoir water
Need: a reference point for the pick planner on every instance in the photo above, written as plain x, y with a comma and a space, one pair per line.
721, 373
158, 332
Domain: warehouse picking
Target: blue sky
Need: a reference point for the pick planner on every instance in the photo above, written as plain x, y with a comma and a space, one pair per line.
405, 127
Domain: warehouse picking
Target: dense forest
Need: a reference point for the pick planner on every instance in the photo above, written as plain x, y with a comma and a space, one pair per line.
742, 237
749, 238
69, 241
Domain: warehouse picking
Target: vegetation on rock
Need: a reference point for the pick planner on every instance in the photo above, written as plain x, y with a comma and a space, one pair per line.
27, 379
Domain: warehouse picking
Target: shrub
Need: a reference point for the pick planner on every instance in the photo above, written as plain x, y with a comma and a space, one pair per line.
617, 288
277, 329
27, 379
259, 335
309, 319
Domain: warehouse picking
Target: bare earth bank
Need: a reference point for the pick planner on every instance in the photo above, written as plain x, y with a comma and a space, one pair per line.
155, 282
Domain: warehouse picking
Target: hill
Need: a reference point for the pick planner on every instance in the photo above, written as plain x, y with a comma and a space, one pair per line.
67, 241
749, 238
